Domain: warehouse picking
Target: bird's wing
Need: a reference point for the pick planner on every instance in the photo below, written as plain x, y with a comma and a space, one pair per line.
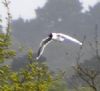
63, 37
43, 44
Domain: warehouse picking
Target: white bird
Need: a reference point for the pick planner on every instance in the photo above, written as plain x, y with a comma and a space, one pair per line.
55, 36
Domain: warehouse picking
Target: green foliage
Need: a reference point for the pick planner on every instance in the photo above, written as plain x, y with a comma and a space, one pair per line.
5, 51
35, 77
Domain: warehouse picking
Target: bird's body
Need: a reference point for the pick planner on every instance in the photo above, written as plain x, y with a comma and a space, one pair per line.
55, 36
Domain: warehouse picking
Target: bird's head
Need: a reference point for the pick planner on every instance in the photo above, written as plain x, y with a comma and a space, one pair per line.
53, 36
50, 35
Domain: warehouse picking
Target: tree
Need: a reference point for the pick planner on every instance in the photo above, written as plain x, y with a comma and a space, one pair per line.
5, 41
88, 71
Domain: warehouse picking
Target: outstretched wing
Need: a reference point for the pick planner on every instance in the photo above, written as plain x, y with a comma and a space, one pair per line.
43, 44
63, 37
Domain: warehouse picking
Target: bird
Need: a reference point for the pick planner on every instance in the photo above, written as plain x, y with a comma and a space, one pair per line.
55, 37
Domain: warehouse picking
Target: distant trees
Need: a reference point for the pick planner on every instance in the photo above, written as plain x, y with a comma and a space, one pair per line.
36, 76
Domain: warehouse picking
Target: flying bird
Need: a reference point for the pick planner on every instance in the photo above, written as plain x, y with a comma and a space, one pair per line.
55, 37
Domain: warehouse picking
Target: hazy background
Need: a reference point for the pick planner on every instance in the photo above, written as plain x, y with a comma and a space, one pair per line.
72, 17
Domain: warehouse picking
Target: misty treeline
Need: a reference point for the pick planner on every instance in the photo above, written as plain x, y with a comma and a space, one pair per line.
36, 76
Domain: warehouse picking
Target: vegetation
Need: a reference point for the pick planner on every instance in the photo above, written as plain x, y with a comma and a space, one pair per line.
36, 76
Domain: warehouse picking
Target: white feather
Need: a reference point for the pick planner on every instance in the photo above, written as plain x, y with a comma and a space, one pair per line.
63, 37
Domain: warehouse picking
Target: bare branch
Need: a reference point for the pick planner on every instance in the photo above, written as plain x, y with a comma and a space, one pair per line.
8, 18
